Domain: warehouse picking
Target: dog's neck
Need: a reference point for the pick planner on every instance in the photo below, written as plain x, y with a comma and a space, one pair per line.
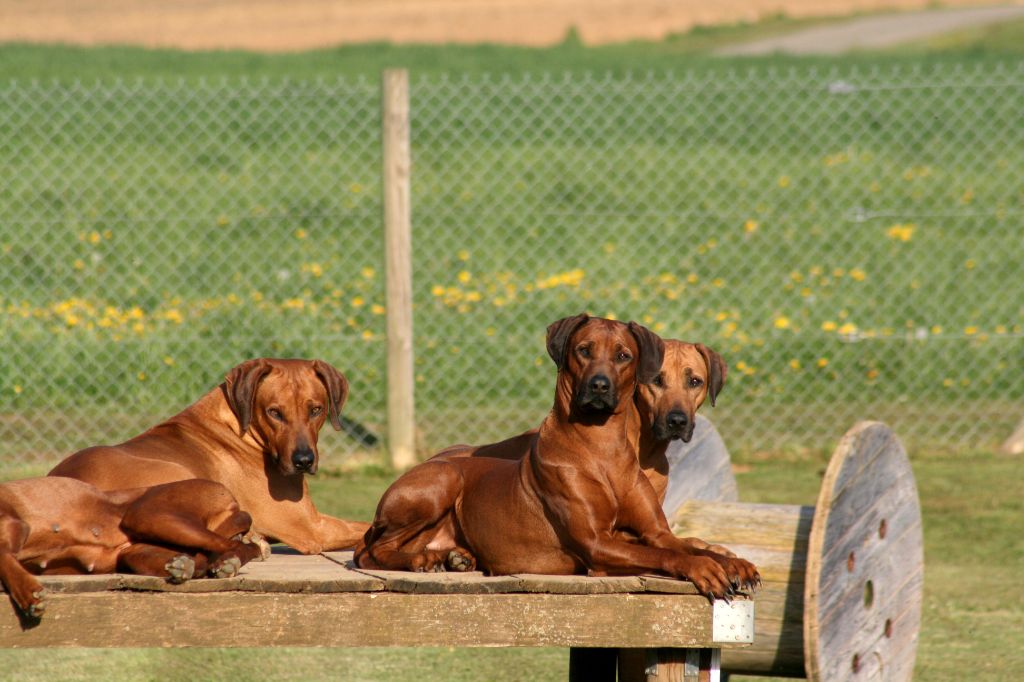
650, 451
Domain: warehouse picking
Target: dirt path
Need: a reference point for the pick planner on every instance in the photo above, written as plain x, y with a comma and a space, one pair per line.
877, 32
275, 25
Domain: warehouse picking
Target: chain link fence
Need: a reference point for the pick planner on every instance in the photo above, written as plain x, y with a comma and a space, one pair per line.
849, 240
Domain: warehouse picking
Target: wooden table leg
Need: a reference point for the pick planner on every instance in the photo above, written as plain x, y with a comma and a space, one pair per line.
670, 665
592, 664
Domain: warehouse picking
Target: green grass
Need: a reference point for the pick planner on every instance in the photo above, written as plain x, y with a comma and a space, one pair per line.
973, 611
840, 249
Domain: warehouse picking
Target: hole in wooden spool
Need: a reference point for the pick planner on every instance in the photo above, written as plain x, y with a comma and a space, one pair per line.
882, 528
888, 627
850, 561
869, 594
855, 664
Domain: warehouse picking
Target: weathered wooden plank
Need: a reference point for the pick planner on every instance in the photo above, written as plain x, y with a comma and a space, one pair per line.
656, 583
579, 584
237, 619
281, 572
444, 583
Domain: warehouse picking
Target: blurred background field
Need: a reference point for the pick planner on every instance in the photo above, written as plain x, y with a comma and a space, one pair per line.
845, 230
846, 234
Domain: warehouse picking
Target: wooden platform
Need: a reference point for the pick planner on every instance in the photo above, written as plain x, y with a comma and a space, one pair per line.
294, 600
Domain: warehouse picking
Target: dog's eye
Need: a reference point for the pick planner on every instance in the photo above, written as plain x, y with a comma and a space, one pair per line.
695, 382
315, 411
275, 414
583, 351
658, 381
623, 356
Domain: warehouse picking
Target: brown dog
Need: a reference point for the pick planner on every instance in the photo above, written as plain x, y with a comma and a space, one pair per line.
256, 434
59, 525
666, 410
571, 503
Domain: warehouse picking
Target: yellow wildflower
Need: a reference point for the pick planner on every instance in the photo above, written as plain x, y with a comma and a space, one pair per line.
828, 326
782, 322
464, 277
822, 362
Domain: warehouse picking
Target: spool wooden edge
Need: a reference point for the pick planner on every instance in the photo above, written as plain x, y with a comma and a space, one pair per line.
847, 447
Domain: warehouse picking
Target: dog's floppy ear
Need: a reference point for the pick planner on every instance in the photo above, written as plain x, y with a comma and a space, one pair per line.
717, 370
240, 389
559, 334
337, 390
652, 353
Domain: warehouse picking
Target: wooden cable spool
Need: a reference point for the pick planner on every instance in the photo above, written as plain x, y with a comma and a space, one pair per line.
843, 580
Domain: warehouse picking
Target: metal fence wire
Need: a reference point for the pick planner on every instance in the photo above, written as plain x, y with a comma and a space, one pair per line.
849, 240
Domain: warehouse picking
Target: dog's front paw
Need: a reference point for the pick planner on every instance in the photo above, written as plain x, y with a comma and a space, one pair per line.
743, 575
180, 568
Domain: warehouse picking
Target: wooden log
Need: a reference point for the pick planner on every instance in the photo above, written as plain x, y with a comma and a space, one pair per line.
775, 537
843, 579
398, 266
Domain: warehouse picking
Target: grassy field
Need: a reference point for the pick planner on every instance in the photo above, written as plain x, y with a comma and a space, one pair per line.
972, 610
846, 231
838, 246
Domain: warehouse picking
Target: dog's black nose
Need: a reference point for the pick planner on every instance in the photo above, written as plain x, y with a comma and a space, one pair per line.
303, 459
600, 384
676, 419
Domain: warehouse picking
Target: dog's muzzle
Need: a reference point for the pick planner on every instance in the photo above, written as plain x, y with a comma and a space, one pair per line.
304, 460
676, 425
598, 394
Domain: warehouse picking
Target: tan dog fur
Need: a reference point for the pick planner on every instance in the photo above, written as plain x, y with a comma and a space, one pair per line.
256, 434
57, 525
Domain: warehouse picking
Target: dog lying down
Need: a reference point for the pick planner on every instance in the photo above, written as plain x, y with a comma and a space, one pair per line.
176, 531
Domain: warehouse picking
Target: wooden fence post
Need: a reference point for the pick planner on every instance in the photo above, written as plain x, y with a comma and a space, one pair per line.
398, 266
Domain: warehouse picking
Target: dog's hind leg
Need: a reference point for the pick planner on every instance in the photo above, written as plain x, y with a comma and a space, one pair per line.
28, 594
162, 562
197, 515
414, 513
